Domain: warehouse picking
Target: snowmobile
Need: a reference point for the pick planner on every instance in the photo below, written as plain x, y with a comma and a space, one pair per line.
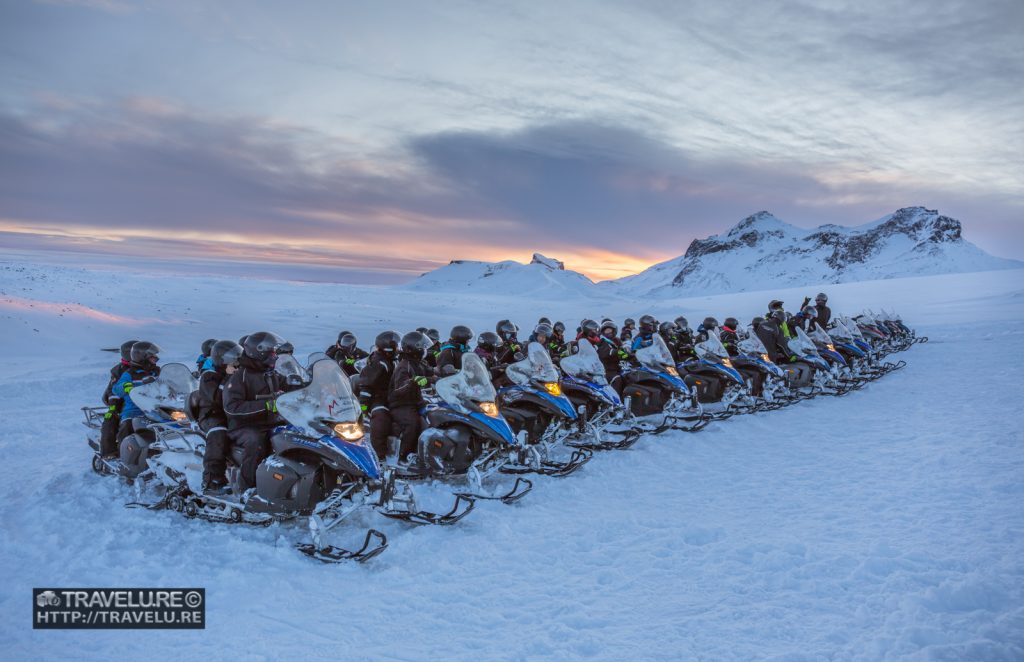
605, 421
712, 375
535, 405
752, 354
162, 401
654, 386
465, 434
321, 467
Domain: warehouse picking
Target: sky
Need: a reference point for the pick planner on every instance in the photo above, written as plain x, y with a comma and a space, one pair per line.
371, 142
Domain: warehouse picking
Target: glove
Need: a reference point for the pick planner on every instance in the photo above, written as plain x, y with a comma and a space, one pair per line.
514, 347
807, 300
272, 406
421, 381
128, 387
623, 354
363, 408
350, 361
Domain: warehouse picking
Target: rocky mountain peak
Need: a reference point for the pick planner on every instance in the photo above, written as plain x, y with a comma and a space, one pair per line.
549, 262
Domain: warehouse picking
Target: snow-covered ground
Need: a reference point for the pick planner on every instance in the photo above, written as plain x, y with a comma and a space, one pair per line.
885, 524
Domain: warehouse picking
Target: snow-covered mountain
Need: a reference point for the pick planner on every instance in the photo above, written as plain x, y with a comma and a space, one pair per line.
541, 274
761, 251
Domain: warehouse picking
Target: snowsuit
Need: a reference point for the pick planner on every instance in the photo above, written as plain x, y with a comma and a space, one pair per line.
450, 355
824, 315
373, 396
508, 352
122, 389
346, 360
405, 400
213, 422
731, 341
248, 397
611, 356
112, 418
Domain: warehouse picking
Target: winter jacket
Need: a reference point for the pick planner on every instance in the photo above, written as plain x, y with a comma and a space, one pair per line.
626, 335
210, 414
451, 354
248, 395
730, 339
115, 374
374, 381
346, 360
403, 391
774, 341
126, 382
824, 316
507, 353
490, 360
608, 352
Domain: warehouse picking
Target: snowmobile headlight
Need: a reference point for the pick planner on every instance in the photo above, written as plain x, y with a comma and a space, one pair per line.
178, 415
670, 369
488, 408
554, 388
831, 347
349, 431
727, 363
764, 357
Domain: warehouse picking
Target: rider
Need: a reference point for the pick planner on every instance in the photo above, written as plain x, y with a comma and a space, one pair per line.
346, 352
112, 417
488, 344
210, 416
645, 333
203, 360
405, 397
449, 360
605, 341
434, 353
142, 368
824, 312
628, 327
250, 402
507, 330
542, 334
373, 389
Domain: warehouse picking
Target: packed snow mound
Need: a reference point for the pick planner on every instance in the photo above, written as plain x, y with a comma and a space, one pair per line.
543, 275
762, 251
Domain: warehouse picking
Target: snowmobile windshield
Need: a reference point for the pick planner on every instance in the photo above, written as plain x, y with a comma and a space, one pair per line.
328, 399
472, 383
840, 333
711, 349
314, 357
853, 328
537, 366
171, 389
801, 344
288, 367
751, 344
819, 335
585, 364
656, 355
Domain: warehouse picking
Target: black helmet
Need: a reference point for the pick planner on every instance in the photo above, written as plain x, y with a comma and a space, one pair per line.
488, 340
416, 343
461, 334
208, 346
434, 335
667, 328
286, 348
347, 340
559, 327
731, 322
225, 352
774, 303
609, 324
387, 341
144, 352
756, 322
241, 341
710, 323
543, 329
506, 329
590, 328
682, 323
648, 324
821, 298
422, 329
630, 322
262, 347
126, 349
544, 320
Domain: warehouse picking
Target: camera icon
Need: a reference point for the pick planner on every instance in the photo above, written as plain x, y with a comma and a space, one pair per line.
47, 599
